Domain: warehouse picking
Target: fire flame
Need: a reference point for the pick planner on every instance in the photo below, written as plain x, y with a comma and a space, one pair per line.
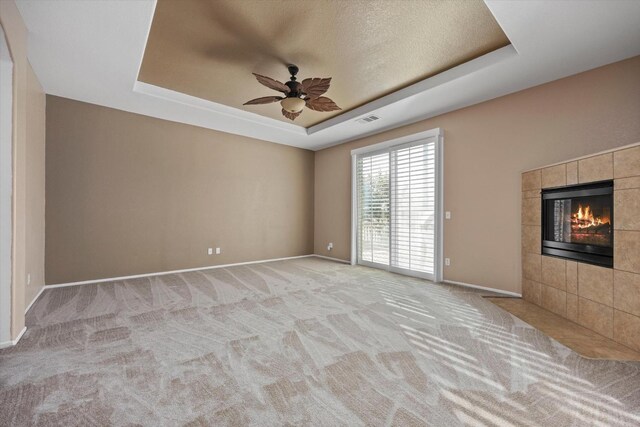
584, 218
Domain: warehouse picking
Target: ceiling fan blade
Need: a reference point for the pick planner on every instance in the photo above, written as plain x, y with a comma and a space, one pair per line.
315, 87
322, 104
272, 84
290, 116
264, 100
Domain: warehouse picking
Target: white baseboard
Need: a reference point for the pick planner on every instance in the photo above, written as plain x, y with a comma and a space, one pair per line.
332, 259
163, 273
484, 288
34, 299
15, 341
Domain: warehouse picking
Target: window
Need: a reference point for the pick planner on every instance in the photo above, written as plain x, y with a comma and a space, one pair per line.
396, 210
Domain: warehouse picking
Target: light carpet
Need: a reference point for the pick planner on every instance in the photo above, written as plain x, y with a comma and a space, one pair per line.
298, 342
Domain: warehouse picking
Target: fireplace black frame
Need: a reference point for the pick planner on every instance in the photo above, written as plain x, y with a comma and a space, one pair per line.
590, 254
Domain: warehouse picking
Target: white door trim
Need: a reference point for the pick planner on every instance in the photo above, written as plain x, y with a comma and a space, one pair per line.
354, 209
13, 342
386, 146
439, 243
398, 141
6, 187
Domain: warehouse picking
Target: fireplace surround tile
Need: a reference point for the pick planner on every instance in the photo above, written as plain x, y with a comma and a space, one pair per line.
531, 267
626, 183
595, 283
572, 307
531, 238
553, 299
627, 329
595, 316
627, 251
626, 292
554, 272
531, 291
554, 176
626, 205
572, 173
531, 180
627, 162
531, 194
572, 277
531, 212
596, 168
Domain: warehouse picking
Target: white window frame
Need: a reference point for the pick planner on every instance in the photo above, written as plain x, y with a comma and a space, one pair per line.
388, 146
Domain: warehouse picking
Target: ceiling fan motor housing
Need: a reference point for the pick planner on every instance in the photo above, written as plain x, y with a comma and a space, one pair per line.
295, 89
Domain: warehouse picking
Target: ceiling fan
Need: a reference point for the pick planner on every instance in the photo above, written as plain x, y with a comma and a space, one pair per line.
297, 95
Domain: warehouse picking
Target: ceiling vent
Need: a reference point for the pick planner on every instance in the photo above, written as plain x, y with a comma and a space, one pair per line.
367, 119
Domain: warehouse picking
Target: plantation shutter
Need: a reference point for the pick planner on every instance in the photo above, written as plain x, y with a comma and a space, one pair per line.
413, 204
373, 208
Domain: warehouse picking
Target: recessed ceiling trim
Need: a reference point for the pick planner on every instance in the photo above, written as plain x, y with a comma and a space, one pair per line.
462, 70
154, 5
192, 101
447, 76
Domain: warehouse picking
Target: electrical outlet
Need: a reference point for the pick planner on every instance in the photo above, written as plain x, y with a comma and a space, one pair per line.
218, 251
330, 246
29, 279
447, 261
447, 215
210, 251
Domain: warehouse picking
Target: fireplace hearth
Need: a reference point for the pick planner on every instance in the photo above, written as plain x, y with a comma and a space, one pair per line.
577, 223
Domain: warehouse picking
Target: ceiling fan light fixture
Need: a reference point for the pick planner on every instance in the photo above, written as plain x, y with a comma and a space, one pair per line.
292, 104
297, 95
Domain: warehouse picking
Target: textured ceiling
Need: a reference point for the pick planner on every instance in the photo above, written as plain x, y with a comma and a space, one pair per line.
209, 48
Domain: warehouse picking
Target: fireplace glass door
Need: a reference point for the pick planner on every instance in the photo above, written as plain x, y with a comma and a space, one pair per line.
583, 220
578, 223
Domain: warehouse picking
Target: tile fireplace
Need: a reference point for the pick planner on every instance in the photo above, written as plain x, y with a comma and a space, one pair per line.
581, 241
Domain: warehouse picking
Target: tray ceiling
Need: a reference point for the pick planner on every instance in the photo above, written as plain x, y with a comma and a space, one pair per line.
91, 51
208, 49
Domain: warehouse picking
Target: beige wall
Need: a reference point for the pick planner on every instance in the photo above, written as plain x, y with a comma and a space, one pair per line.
129, 194
28, 190
486, 147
